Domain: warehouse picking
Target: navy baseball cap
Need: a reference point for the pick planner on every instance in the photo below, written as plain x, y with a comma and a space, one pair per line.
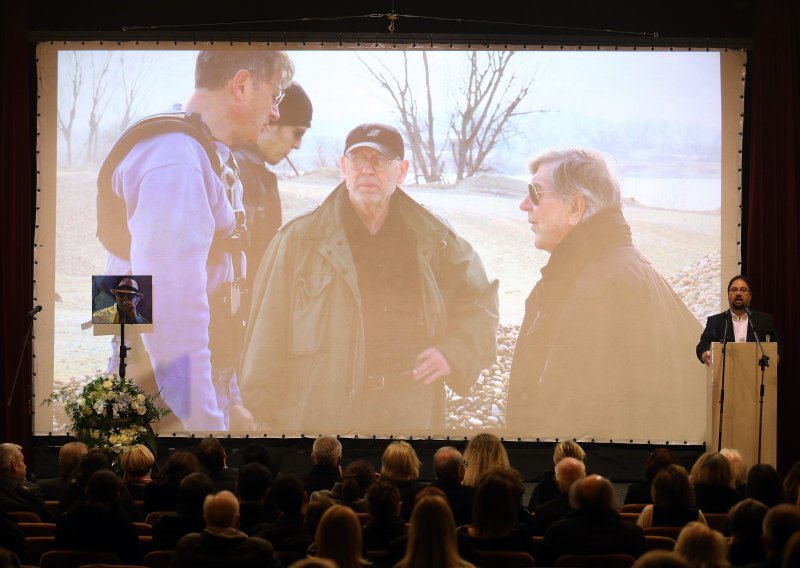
381, 137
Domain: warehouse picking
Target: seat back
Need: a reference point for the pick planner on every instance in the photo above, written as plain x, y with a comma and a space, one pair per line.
158, 559
36, 546
506, 559
655, 542
37, 529
76, 558
632, 508
24, 516
153, 516
671, 532
143, 529
596, 561
716, 521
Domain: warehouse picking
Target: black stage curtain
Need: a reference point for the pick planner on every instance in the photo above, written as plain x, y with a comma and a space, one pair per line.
771, 213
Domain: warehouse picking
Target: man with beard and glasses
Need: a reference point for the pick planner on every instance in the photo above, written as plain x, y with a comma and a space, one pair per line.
738, 329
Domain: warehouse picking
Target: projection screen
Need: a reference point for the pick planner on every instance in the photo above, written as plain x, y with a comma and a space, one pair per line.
613, 348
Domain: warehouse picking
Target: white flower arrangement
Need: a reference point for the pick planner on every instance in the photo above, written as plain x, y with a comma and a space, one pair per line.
110, 412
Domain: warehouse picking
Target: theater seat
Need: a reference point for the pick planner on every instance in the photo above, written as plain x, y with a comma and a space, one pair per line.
596, 561
505, 559
76, 558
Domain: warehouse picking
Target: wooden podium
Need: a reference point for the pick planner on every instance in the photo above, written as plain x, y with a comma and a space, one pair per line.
741, 405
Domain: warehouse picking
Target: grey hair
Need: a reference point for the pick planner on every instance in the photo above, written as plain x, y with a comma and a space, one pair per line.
9, 454
327, 450
581, 172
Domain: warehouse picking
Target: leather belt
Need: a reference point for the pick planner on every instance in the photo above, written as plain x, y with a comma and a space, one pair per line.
378, 381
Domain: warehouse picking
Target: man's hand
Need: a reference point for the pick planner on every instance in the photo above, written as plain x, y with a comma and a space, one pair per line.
241, 419
430, 366
707, 358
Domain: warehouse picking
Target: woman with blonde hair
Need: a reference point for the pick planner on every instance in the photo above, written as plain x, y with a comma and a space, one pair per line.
432, 537
702, 547
137, 463
712, 477
338, 537
400, 467
546, 487
484, 452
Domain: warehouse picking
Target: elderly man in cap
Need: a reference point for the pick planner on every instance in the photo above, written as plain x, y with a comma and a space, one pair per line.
368, 303
126, 298
262, 202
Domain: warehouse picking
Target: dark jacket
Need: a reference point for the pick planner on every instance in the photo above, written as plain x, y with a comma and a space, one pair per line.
716, 327
460, 498
20, 495
549, 512
92, 526
215, 550
321, 476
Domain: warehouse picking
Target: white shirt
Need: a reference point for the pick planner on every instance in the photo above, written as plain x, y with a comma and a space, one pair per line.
739, 327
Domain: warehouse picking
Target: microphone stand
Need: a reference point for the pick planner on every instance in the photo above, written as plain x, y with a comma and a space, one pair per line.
722, 381
25, 344
763, 362
123, 350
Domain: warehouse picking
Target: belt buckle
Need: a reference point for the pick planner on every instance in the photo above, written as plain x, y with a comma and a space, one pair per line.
375, 382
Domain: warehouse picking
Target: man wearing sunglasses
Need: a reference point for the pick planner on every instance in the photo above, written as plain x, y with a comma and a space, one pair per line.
126, 298
603, 345
366, 307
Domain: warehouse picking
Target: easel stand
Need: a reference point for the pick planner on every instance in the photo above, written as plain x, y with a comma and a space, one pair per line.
123, 350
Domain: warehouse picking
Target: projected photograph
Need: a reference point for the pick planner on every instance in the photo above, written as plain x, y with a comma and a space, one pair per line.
410, 243
122, 299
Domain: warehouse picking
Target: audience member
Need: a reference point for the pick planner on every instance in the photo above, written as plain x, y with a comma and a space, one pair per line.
338, 538
765, 485
639, 492
495, 513
712, 478
400, 466
188, 515
16, 493
351, 488
220, 544
69, 458
137, 463
738, 469
96, 459
791, 552
568, 471
162, 494
483, 452
99, 522
791, 483
326, 455
289, 533
313, 562
253, 487
673, 500
448, 466
11, 537
780, 523
594, 527
546, 488
314, 510
9, 559
213, 457
745, 522
432, 537
702, 547
385, 522
258, 453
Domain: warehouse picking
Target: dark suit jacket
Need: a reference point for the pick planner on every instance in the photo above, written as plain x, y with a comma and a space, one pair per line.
715, 331
549, 512
460, 498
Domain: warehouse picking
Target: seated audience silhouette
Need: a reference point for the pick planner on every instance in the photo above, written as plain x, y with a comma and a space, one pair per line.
639, 492
568, 471
400, 466
450, 469
712, 478
69, 458
188, 515
702, 546
338, 538
546, 488
673, 500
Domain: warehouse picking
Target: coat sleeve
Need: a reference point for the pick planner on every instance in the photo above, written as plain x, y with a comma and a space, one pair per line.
470, 339
708, 336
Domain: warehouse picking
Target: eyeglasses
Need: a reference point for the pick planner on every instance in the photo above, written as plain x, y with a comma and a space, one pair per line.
359, 161
276, 99
126, 295
536, 193
742, 290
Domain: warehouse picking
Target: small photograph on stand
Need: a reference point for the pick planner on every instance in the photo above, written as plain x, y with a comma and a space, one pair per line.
122, 299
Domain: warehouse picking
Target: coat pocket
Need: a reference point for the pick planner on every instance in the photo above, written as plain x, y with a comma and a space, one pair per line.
310, 313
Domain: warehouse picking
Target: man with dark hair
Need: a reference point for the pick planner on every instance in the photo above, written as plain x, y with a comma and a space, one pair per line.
738, 323
170, 205
594, 527
262, 202
188, 515
385, 523
326, 454
257, 453
369, 302
253, 488
289, 533
16, 493
69, 458
221, 543
449, 468
214, 458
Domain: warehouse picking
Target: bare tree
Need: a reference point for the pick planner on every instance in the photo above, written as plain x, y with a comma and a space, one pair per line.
68, 98
99, 103
132, 81
482, 117
420, 135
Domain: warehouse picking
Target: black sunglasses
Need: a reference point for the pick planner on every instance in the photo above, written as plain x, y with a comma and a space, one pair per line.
535, 192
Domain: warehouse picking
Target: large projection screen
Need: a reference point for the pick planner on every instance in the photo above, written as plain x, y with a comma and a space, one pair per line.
667, 122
